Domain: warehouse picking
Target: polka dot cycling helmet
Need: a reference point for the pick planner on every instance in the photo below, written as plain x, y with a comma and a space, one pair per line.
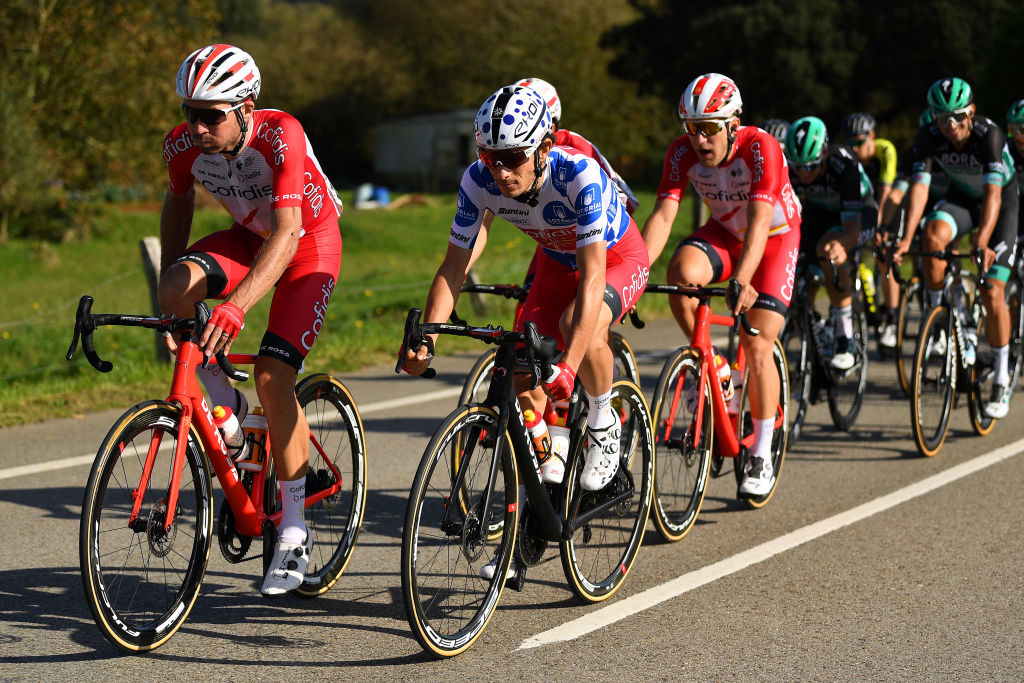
218, 73
513, 117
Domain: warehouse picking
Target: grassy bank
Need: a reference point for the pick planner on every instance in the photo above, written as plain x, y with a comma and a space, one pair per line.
389, 259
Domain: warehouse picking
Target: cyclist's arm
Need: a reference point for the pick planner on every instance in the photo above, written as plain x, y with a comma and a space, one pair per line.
989, 215
444, 292
175, 226
915, 212
481, 239
591, 259
759, 217
273, 257
658, 226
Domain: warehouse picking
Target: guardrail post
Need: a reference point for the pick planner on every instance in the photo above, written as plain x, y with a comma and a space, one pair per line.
149, 247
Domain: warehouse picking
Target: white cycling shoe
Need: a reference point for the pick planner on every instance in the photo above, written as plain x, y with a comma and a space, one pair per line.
288, 567
602, 457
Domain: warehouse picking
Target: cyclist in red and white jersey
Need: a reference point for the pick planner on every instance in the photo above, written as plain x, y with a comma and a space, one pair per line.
259, 165
751, 239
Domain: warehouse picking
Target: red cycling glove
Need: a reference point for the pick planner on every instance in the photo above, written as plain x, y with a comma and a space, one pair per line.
229, 318
560, 382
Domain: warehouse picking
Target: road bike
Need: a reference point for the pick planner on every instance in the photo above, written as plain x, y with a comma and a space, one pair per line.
947, 361
695, 430
147, 515
808, 343
464, 507
475, 386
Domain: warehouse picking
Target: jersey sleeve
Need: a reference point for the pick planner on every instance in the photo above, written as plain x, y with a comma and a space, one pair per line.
588, 192
179, 168
470, 206
998, 167
287, 158
673, 172
921, 168
768, 169
886, 153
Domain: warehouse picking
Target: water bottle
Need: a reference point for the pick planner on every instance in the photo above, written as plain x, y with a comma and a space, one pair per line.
229, 426
970, 346
541, 442
724, 373
868, 279
255, 428
737, 384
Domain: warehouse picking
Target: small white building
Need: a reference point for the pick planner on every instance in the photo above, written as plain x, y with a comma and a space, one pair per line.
427, 153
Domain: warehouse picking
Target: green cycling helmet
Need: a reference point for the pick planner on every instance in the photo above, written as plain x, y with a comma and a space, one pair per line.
925, 118
949, 95
806, 141
1015, 115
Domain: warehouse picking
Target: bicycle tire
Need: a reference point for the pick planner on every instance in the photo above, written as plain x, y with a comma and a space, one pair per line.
334, 521
598, 555
1015, 303
908, 330
796, 344
447, 603
934, 377
780, 436
141, 580
626, 366
682, 468
846, 388
478, 380
980, 377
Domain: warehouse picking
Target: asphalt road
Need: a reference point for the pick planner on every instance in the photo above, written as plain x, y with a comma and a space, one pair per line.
869, 563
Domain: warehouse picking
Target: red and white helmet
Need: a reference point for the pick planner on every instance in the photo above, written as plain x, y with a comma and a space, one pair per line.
710, 96
218, 73
548, 92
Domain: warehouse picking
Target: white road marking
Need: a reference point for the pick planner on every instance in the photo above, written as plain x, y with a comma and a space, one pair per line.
79, 460
627, 607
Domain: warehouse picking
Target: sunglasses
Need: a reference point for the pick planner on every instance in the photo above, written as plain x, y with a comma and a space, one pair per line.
856, 143
954, 117
807, 168
209, 117
705, 127
1017, 130
509, 158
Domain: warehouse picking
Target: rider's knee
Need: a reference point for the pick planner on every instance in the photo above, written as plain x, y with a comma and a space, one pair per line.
178, 287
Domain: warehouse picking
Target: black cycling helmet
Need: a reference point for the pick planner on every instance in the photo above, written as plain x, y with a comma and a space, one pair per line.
777, 128
856, 125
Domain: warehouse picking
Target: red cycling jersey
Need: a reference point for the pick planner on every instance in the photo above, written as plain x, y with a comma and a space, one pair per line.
567, 138
757, 172
276, 169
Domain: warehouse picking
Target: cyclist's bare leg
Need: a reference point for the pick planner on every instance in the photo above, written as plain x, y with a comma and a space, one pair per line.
689, 266
937, 236
597, 368
275, 385
763, 380
997, 322
180, 288
841, 297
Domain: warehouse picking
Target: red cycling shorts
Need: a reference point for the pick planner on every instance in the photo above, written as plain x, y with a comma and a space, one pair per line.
299, 306
554, 285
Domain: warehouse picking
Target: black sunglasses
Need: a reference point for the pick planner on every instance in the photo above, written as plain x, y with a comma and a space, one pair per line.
209, 117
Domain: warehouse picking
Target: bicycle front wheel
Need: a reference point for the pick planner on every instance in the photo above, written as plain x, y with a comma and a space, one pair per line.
448, 596
846, 390
478, 381
908, 329
682, 445
1015, 302
141, 576
626, 366
337, 460
796, 345
934, 382
608, 525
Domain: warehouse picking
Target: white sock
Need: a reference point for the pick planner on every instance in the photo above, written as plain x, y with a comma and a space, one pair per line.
763, 430
600, 415
293, 511
1002, 364
845, 322
218, 386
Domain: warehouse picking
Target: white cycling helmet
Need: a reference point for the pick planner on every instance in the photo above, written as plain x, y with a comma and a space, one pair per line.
514, 117
710, 96
548, 92
218, 73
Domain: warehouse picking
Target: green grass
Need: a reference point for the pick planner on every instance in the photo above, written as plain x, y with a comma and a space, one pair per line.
389, 258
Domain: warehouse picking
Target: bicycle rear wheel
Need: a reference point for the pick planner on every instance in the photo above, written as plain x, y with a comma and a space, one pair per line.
796, 344
1015, 302
337, 437
625, 360
908, 329
780, 435
682, 446
608, 525
141, 578
934, 382
846, 390
447, 600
